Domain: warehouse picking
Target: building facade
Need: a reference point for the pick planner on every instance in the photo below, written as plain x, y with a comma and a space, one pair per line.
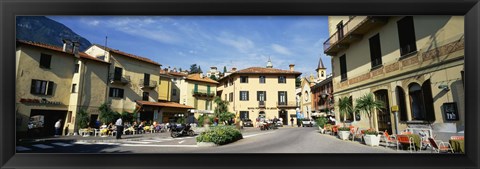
55, 83
213, 71
415, 63
259, 91
199, 92
132, 78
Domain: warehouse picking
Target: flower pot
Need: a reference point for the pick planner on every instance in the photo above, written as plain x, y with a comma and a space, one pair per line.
321, 130
372, 140
343, 135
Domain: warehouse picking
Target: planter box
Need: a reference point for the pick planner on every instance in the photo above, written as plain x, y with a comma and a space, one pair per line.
206, 144
343, 135
372, 140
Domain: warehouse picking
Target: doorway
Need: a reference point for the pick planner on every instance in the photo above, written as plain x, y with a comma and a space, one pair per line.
43, 122
283, 114
383, 116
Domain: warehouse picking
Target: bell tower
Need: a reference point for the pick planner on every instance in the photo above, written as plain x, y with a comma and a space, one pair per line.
321, 70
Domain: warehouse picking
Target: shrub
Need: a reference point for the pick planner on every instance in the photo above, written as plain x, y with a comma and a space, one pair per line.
321, 121
344, 129
220, 135
82, 119
370, 132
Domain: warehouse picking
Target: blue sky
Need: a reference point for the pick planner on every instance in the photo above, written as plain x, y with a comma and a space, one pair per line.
239, 41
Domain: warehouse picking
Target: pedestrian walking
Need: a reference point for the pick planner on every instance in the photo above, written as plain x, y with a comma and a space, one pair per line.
119, 125
291, 121
58, 124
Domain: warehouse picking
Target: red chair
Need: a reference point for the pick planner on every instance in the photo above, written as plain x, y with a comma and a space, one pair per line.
390, 139
457, 138
404, 139
442, 146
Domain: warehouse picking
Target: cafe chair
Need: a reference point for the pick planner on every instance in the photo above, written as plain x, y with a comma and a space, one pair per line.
441, 146
357, 133
390, 140
404, 139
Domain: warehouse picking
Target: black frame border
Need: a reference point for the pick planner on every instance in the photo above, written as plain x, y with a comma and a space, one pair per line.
10, 8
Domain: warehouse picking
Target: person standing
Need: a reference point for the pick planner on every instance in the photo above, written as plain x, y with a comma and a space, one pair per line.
58, 124
291, 121
119, 125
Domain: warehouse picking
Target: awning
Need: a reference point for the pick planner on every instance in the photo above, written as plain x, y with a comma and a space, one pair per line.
164, 104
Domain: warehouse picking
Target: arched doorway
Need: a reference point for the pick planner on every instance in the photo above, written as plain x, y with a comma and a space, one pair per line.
402, 105
383, 115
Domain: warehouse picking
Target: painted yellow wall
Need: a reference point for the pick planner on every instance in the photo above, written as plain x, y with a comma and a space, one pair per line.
165, 88
202, 86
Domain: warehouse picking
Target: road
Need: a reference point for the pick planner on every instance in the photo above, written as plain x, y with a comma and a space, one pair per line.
283, 140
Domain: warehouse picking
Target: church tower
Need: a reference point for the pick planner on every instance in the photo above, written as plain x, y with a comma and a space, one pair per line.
269, 63
321, 71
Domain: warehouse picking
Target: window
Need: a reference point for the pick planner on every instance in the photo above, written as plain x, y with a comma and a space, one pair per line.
244, 115
406, 35
375, 51
146, 79
421, 101
145, 96
343, 67
208, 89
261, 96
323, 74
174, 92
45, 60
282, 98
77, 67
69, 117
231, 97
230, 81
116, 92
74, 88
340, 30
402, 106
261, 79
41, 87
195, 88
243, 79
117, 73
244, 95
225, 84
226, 97
282, 79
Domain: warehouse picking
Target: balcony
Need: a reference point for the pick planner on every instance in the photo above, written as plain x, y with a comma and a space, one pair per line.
203, 93
261, 104
353, 31
287, 104
123, 80
151, 84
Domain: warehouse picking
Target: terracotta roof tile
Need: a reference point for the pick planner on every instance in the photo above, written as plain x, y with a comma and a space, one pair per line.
164, 104
128, 55
59, 49
262, 70
196, 77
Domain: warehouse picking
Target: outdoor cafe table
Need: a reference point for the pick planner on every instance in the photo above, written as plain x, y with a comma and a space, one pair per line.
416, 140
458, 145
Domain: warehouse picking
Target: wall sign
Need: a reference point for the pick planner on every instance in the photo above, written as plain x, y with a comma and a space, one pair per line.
450, 111
39, 101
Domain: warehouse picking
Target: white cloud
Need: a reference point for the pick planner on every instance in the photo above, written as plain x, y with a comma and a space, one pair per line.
281, 49
240, 43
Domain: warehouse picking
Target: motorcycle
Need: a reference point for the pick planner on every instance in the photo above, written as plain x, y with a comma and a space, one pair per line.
181, 130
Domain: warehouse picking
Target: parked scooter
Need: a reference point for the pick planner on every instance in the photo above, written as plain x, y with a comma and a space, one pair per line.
181, 130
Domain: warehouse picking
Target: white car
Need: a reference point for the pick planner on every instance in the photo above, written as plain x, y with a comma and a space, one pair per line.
308, 123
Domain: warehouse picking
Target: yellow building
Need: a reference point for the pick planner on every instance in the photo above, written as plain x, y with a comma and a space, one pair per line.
262, 91
165, 87
132, 78
55, 83
199, 92
414, 62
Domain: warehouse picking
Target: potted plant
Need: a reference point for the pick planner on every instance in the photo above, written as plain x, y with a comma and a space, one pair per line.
343, 133
321, 124
345, 108
371, 137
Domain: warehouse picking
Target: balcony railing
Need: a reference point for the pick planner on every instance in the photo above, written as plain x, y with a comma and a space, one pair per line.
261, 104
287, 104
353, 30
204, 93
119, 79
148, 84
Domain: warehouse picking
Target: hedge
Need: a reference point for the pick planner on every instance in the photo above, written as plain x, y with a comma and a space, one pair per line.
220, 135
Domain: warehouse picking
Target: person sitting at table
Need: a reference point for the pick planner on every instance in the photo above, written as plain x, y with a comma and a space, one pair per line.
140, 127
110, 128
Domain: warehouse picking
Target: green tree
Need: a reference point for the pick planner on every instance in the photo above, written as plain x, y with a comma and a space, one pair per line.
180, 69
367, 104
213, 77
126, 116
199, 69
345, 107
221, 111
106, 114
224, 69
193, 69
82, 119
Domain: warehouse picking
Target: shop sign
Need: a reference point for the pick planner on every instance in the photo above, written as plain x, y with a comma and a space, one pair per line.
450, 111
394, 108
39, 101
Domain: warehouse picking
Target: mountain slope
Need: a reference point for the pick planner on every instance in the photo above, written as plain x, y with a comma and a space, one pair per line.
44, 30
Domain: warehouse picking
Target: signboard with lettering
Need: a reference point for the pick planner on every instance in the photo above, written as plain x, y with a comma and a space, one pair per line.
450, 111
394, 108
39, 101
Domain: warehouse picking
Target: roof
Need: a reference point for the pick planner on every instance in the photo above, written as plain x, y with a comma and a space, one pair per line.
59, 49
163, 72
262, 70
196, 77
164, 104
320, 64
323, 82
128, 55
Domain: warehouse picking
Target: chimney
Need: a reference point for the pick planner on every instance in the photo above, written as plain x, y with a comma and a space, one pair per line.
174, 69
75, 49
168, 69
201, 75
234, 69
65, 44
292, 67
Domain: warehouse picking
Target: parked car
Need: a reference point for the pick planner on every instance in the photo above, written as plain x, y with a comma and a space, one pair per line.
247, 123
308, 123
